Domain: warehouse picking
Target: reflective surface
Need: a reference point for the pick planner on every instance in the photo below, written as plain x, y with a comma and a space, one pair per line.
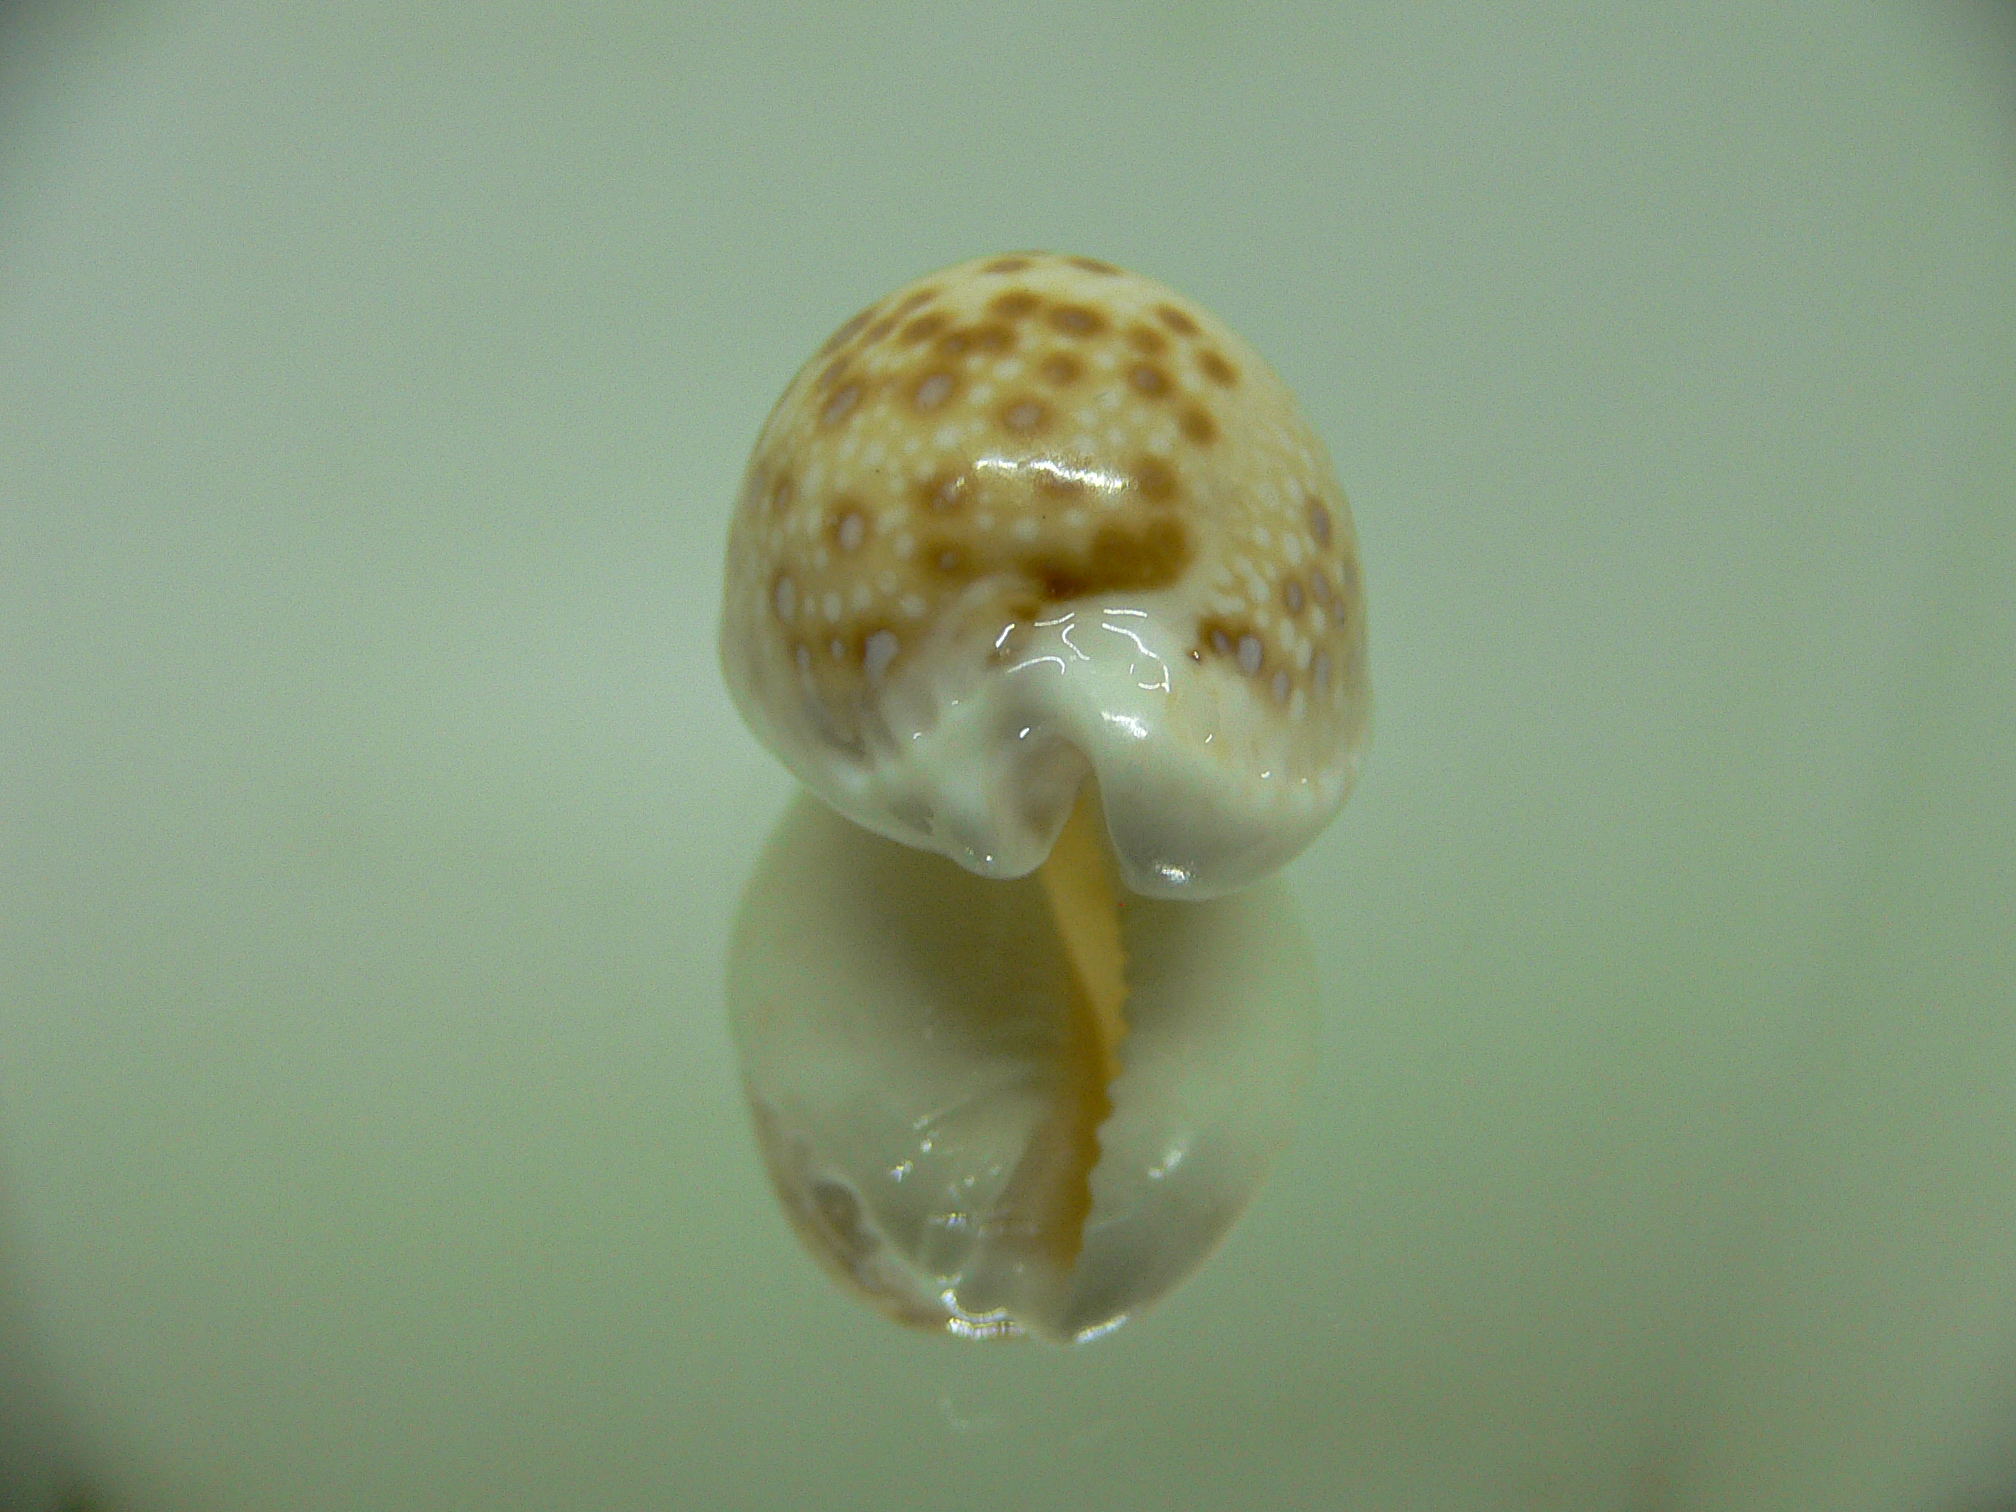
373, 385
1034, 515
906, 1040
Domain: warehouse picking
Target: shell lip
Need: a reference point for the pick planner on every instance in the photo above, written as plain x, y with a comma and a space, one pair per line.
980, 761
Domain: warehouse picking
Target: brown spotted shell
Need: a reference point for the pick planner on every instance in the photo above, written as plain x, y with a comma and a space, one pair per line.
1033, 515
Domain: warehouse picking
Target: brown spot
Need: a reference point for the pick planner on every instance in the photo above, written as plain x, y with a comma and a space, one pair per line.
1319, 587
1148, 379
1006, 265
1146, 340
949, 560
933, 389
1155, 479
1152, 556
915, 300
945, 492
1059, 368
1091, 265
1196, 423
780, 493
924, 327
1319, 521
841, 404
878, 330
1291, 595
993, 337
1217, 369
833, 372
848, 327
1077, 320
1176, 320
1024, 415
1015, 304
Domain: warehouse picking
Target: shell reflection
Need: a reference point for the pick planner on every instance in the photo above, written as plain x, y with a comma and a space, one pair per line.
905, 1036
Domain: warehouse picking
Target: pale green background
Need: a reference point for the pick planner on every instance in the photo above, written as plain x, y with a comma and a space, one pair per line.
374, 380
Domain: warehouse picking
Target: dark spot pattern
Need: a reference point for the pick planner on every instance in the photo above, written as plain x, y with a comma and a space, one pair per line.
1217, 369
1010, 426
1154, 480
1148, 380
1060, 369
1197, 425
1146, 340
1077, 320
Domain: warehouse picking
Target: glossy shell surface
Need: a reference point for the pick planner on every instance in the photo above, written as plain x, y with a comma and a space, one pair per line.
1034, 515
904, 1032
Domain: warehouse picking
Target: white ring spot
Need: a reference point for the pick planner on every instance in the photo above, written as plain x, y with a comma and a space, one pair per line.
878, 653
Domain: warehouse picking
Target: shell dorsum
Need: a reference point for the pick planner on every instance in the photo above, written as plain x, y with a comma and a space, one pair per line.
1034, 516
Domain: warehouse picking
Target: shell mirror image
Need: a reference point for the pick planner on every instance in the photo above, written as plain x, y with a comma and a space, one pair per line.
1041, 583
